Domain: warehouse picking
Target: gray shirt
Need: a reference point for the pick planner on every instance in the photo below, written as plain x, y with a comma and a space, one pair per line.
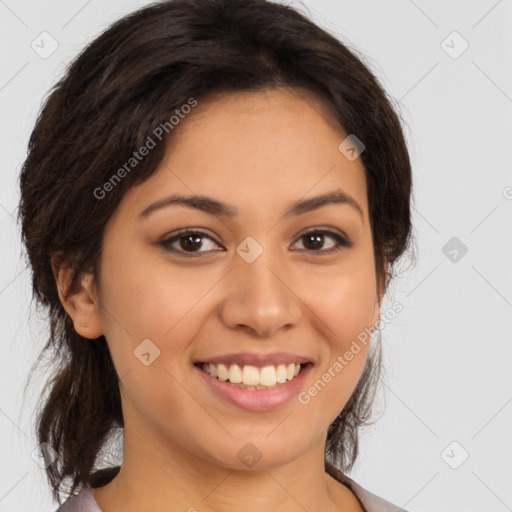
85, 502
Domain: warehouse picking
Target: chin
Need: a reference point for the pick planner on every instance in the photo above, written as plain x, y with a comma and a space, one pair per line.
258, 454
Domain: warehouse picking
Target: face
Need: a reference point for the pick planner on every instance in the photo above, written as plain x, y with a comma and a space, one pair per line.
256, 283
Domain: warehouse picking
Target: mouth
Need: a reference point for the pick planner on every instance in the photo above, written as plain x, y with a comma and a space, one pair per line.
252, 377
254, 382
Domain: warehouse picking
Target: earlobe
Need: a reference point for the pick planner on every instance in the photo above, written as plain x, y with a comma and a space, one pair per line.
79, 301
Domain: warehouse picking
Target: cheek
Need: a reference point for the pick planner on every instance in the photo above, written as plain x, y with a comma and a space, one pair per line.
149, 317
345, 313
135, 296
346, 303
156, 301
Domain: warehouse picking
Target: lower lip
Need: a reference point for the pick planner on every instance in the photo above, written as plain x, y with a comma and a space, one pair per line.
257, 399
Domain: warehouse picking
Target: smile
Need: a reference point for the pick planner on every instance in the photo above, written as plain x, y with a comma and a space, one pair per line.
254, 388
251, 377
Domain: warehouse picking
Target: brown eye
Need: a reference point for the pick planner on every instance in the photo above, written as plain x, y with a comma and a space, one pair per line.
188, 242
192, 242
314, 241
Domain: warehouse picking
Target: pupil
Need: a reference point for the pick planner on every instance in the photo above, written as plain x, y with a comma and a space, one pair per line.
317, 241
195, 239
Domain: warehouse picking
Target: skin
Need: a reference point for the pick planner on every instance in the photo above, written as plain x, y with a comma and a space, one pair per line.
258, 151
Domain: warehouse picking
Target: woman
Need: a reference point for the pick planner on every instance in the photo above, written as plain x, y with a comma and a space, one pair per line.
214, 198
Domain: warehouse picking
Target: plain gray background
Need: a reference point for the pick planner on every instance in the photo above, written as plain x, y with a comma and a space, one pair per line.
448, 388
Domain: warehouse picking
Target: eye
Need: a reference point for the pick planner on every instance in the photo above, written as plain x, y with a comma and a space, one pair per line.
314, 241
189, 242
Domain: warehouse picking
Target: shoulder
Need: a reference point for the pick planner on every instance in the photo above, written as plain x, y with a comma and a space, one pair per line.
371, 502
81, 502
84, 500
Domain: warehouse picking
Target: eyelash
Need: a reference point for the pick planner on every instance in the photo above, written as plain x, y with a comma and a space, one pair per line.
342, 242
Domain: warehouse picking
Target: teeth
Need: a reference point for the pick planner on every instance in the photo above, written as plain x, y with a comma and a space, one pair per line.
281, 373
223, 372
249, 375
213, 370
235, 374
268, 376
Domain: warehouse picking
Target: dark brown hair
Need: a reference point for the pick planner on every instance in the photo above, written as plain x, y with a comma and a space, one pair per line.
115, 94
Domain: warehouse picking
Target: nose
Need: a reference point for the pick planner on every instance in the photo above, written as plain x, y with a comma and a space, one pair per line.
260, 299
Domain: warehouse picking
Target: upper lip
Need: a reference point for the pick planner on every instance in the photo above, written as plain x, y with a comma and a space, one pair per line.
246, 358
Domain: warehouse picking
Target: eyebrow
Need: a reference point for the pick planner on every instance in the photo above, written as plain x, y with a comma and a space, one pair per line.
214, 207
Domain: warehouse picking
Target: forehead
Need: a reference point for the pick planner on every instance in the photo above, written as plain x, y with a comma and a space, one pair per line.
257, 150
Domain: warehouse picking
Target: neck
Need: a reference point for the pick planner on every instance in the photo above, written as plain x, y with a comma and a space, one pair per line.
162, 477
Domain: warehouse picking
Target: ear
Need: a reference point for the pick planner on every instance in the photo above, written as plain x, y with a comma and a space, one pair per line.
79, 301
